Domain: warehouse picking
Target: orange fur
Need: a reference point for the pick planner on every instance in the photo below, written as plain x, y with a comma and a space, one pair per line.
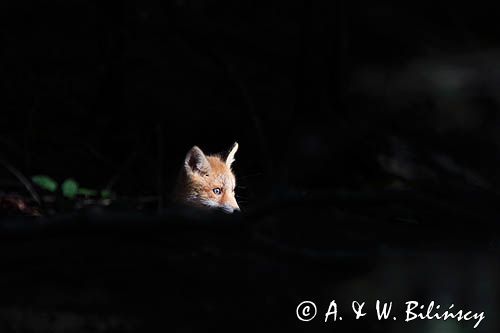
208, 181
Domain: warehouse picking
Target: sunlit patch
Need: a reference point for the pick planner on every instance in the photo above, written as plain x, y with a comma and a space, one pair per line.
208, 181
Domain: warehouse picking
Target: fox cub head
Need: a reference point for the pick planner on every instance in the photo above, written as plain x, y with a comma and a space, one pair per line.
208, 181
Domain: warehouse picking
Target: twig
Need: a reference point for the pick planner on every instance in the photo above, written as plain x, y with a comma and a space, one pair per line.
161, 165
27, 135
22, 179
130, 158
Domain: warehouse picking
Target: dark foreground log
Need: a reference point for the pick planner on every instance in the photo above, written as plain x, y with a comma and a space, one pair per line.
98, 270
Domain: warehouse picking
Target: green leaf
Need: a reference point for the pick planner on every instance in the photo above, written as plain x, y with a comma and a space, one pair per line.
45, 182
86, 192
69, 188
106, 194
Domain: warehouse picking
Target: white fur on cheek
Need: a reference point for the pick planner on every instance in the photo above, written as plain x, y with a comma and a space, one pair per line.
209, 203
227, 209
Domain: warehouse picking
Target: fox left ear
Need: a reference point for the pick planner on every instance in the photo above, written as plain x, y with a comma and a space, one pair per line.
231, 153
196, 161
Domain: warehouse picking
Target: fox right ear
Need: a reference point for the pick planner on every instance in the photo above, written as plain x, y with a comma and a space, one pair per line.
231, 153
196, 161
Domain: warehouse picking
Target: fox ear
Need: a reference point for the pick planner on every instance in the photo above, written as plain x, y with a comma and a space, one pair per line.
196, 161
231, 153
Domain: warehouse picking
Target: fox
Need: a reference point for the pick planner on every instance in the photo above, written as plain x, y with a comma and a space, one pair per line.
207, 181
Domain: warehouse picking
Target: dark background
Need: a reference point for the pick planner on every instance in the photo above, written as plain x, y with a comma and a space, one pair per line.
314, 92
362, 126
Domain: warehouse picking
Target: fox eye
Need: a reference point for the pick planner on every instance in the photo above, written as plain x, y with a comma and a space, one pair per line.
217, 190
